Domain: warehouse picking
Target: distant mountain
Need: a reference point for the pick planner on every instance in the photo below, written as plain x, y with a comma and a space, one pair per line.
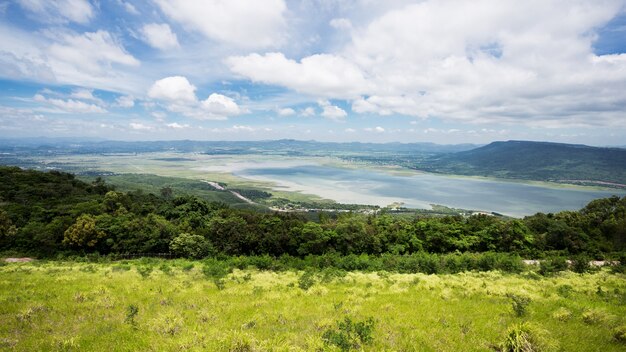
282, 147
570, 163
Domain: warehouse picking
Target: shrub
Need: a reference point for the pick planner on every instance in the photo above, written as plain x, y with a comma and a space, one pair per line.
216, 269
562, 314
595, 316
527, 338
191, 246
564, 290
219, 283
619, 334
348, 334
551, 266
306, 280
144, 271
580, 264
519, 304
620, 268
131, 312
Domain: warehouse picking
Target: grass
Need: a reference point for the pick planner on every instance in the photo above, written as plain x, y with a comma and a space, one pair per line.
158, 305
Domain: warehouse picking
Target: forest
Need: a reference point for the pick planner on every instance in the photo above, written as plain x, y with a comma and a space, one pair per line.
47, 214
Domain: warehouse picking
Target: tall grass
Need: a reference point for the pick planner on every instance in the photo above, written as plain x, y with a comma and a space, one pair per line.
136, 305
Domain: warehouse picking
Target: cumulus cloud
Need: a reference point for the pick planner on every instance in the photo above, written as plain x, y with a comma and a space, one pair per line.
243, 23
177, 126
59, 11
308, 111
180, 97
220, 105
125, 101
174, 88
483, 61
322, 75
242, 128
286, 112
332, 112
69, 105
138, 126
376, 129
159, 36
341, 23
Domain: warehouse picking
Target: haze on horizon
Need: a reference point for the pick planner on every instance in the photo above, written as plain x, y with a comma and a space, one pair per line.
440, 71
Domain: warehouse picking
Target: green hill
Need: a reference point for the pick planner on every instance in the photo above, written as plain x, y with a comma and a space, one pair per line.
536, 161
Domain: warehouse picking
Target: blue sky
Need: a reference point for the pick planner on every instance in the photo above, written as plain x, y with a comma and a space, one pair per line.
440, 71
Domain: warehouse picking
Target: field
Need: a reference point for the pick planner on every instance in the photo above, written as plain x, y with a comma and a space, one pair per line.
159, 305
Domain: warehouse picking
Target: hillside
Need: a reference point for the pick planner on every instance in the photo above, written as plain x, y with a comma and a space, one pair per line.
536, 161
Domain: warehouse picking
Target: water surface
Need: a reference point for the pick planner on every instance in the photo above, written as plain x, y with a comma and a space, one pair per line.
366, 186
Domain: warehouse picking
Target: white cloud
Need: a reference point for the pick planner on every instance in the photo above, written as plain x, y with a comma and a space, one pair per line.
243, 128
177, 126
59, 11
130, 8
308, 111
159, 115
376, 129
220, 105
140, 126
320, 75
332, 112
70, 105
175, 88
89, 59
125, 101
484, 61
341, 23
286, 112
248, 24
180, 97
159, 36
350, 130
85, 94
59, 56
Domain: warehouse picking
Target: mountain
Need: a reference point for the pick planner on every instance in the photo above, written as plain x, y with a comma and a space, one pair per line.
545, 161
283, 147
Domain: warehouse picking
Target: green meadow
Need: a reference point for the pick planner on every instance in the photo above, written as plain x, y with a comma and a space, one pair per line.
175, 305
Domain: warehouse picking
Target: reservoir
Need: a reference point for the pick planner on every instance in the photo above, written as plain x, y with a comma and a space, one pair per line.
420, 190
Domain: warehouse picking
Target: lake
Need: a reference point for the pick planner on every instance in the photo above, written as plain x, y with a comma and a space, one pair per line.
419, 190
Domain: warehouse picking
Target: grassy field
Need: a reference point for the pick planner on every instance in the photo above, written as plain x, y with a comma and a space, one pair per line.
158, 305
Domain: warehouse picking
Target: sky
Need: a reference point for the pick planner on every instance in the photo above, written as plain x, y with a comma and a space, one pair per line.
443, 71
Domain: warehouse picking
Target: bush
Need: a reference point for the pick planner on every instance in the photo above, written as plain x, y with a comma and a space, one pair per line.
520, 304
564, 291
619, 334
562, 314
191, 246
551, 266
215, 269
131, 312
527, 338
306, 280
595, 316
580, 264
348, 335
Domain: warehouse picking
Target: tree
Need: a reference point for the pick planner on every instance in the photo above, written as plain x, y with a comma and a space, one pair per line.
7, 229
191, 246
83, 233
166, 192
313, 240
